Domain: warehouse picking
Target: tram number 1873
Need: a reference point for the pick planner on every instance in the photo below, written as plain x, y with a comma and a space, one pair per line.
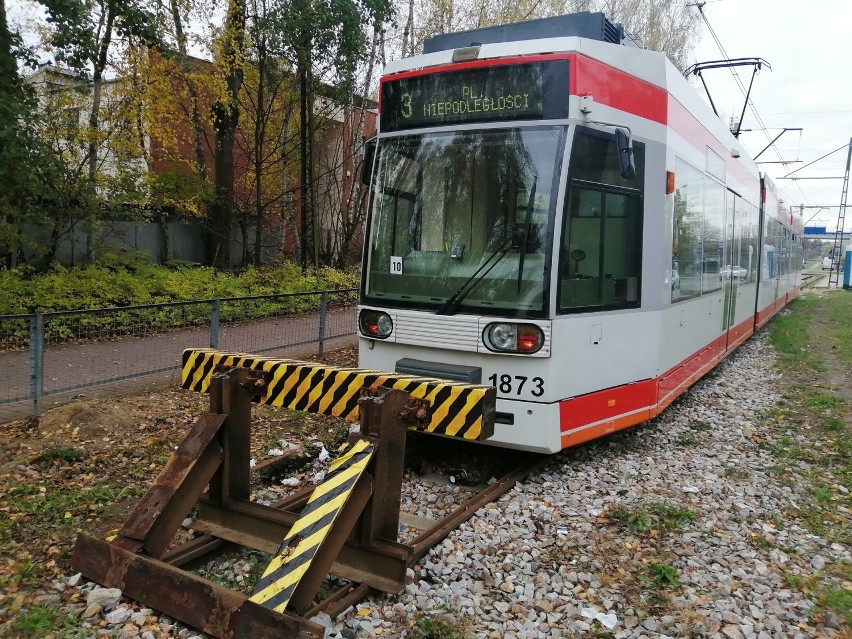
517, 384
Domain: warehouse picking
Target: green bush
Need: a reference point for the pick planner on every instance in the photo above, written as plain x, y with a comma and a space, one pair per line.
115, 282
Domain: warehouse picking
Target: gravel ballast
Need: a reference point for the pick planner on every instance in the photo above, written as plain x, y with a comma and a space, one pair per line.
588, 546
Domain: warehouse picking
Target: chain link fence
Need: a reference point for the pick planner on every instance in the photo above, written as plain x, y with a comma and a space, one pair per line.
53, 357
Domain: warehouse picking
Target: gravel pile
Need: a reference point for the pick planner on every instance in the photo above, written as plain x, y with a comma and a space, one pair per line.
676, 528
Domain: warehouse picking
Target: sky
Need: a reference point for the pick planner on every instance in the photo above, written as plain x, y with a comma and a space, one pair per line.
809, 49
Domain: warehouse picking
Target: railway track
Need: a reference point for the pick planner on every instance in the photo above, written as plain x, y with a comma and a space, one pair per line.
811, 280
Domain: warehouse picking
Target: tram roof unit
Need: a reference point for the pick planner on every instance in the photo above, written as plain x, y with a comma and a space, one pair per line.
584, 24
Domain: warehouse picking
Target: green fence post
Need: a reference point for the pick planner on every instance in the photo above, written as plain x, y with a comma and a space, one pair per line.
214, 323
37, 361
322, 318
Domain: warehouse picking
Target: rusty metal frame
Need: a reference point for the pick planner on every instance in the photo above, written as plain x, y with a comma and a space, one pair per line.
218, 611
361, 547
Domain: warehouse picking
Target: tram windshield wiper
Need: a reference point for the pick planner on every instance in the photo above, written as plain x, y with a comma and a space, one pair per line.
452, 304
527, 228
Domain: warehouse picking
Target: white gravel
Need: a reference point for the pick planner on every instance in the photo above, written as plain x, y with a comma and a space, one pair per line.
546, 560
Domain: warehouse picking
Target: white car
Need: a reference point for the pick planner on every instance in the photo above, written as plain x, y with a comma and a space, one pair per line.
737, 272
826, 264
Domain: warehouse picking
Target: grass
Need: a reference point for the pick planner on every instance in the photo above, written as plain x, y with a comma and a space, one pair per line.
789, 334
811, 435
700, 425
38, 622
736, 473
62, 454
837, 599
32, 510
335, 436
258, 561
645, 517
661, 577
428, 627
819, 402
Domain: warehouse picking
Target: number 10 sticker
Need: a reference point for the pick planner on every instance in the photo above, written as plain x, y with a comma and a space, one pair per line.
395, 265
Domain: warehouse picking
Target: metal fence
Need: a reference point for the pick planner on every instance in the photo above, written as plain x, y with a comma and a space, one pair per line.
53, 357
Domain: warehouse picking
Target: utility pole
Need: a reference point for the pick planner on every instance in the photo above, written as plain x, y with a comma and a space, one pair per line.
834, 275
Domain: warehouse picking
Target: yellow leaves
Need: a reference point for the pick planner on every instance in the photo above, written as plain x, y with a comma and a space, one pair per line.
16, 603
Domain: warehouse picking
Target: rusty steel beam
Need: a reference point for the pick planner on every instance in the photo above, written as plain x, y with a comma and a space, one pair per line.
218, 611
385, 414
340, 600
246, 523
158, 515
381, 565
194, 550
230, 394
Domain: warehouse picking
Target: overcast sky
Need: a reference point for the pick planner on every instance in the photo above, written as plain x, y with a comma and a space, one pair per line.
809, 48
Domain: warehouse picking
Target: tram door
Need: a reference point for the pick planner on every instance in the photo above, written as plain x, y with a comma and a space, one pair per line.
731, 270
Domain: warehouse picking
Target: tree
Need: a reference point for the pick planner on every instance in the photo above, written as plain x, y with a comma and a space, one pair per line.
226, 116
33, 165
327, 39
670, 26
16, 106
662, 25
268, 104
343, 209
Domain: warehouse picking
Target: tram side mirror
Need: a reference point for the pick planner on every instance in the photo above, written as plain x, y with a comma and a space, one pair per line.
626, 164
367, 166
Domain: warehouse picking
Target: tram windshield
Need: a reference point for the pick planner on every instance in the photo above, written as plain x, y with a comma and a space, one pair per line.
460, 220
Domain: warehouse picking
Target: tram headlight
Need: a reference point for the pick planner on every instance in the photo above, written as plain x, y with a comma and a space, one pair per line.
375, 324
513, 338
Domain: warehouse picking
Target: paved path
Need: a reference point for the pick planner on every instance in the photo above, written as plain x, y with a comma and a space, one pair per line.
115, 366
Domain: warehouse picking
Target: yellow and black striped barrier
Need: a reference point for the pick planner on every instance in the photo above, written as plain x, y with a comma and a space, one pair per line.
458, 409
281, 577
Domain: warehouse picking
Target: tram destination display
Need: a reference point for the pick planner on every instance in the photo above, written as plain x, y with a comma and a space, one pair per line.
536, 91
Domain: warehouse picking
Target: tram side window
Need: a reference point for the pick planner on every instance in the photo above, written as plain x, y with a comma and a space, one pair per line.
601, 257
770, 253
746, 217
785, 251
714, 219
688, 232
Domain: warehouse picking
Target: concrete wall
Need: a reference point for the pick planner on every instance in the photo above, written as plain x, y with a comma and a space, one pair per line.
186, 239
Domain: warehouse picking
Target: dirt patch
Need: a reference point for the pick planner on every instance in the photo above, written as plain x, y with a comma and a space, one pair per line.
95, 418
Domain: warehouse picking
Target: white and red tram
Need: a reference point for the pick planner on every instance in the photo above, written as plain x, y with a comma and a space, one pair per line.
558, 214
